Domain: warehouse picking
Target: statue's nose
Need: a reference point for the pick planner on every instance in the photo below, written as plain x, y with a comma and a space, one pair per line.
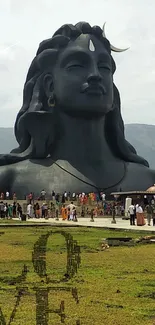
94, 78
94, 75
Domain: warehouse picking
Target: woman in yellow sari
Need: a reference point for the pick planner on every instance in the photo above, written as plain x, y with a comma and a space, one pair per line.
64, 212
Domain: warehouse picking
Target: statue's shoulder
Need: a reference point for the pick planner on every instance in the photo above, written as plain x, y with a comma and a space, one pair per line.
10, 171
152, 171
4, 169
6, 175
137, 177
16, 174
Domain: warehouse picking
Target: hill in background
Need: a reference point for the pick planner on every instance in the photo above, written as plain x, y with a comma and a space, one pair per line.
141, 136
7, 140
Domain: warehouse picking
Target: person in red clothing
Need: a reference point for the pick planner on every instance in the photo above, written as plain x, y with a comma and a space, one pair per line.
30, 196
14, 197
85, 199
2, 196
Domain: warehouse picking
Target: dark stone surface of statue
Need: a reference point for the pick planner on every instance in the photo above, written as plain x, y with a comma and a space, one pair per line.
70, 129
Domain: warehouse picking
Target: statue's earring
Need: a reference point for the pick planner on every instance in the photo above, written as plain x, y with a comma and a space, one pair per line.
51, 101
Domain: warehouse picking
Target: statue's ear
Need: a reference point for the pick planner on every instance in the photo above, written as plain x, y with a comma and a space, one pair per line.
48, 85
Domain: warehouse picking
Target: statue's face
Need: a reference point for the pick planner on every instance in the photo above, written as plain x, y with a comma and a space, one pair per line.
82, 77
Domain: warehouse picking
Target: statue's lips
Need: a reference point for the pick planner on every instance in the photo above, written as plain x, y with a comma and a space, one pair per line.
93, 89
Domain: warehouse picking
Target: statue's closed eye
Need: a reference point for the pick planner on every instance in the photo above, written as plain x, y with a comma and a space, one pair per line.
104, 66
74, 65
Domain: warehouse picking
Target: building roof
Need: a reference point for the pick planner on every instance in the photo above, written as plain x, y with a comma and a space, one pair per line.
135, 192
151, 189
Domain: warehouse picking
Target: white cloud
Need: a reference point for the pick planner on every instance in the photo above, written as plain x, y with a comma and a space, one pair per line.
24, 24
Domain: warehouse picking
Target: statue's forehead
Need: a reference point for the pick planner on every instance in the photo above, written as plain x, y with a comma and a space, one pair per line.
87, 42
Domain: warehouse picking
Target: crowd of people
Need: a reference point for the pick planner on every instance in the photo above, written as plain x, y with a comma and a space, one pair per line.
66, 196
45, 210
71, 206
137, 214
67, 205
9, 211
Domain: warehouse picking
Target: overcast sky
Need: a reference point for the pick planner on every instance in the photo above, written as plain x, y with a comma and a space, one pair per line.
130, 23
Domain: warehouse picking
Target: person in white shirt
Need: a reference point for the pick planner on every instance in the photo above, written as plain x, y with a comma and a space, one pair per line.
30, 211
103, 197
71, 206
7, 194
73, 196
137, 205
132, 214
140, 216
66, 195
139, 209
43, 194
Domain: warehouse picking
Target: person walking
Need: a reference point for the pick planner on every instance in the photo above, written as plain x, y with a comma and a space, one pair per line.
37, 210
19, 211
74, 215
2, 214
131, 211
153, 215
7, 195
30, 210
43, 195
9, 211
149, 211
140, 216
14, 209
64, 212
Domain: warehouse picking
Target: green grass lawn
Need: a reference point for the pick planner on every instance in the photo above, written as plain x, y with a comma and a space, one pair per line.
56, 284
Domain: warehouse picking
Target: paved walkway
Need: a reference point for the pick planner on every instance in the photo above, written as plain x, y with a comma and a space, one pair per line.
98, 222
85, 222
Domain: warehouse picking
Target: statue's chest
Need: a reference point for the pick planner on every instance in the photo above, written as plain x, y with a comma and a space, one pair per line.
62, 176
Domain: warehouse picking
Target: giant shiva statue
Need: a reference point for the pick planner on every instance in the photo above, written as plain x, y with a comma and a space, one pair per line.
70, 129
